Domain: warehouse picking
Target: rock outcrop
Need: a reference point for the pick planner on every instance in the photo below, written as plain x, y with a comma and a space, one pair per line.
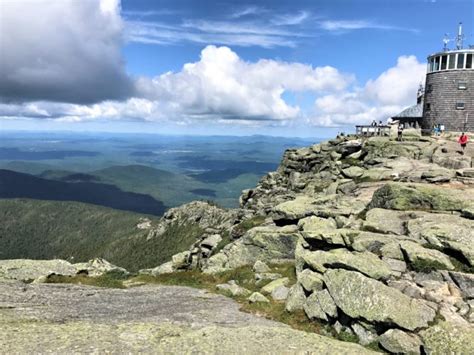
381, 234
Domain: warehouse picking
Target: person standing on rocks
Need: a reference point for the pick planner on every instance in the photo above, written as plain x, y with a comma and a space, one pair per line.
462, 140
400, 132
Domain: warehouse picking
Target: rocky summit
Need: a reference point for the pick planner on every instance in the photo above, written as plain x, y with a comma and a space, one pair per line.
380, 234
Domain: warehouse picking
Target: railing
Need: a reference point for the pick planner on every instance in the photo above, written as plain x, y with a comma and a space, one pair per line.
373, 130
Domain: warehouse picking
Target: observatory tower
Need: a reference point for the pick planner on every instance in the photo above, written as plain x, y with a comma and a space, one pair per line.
449, 88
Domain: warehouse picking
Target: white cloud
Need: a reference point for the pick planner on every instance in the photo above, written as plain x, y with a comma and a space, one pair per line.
223, 85
220, 86
66, 50
394, 90
351, 25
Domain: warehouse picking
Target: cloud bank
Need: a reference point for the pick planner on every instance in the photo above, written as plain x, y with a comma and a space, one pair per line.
64, 51
63, 62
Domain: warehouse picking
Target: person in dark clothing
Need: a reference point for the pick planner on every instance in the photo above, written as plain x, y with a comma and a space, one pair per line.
400, 132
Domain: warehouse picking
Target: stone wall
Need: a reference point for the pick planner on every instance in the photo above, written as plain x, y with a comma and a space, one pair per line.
441, 96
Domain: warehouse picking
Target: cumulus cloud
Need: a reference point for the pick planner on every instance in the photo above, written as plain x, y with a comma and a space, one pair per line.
64, 51
388, 94
222, 84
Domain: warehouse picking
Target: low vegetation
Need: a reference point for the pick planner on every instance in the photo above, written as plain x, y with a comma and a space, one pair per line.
78, 232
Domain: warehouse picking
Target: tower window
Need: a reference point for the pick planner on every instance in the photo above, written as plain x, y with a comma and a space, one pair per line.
452, 61
469, 61
444, 62
462, 85
428, 107
459, 105
460, 61
429, 88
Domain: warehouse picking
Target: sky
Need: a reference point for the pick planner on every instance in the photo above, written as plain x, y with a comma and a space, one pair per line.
284, 68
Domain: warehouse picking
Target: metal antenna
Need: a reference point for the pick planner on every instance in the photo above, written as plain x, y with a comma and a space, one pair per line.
459, 37
446, 40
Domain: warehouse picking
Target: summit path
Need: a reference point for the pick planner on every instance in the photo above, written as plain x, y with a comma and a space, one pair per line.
60, 318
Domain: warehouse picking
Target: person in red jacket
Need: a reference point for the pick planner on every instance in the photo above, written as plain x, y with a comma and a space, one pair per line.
462, 140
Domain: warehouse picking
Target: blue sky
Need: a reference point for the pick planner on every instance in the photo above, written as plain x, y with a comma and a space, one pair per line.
299, 68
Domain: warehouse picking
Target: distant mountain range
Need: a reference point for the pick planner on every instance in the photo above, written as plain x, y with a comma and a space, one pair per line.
83, 189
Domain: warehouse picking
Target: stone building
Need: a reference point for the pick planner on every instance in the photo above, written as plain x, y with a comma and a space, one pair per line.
449, 89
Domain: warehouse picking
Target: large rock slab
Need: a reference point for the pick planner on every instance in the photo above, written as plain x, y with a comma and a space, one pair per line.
28, 270
364, 262
416, 254
445, 231
325, 206
399, 342
384, 221
149, 319
448, 338
404, 197
267, 243
362, 297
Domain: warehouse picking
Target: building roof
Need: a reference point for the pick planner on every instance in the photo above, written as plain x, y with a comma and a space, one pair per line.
415, 111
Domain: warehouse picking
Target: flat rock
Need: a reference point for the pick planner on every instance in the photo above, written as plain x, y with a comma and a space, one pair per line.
360, 296
29, 270
445, 231
148, 319
448, 338
399, 342
364, 262
418, 254
384, 221
257, 297
280, 293
264, 243
404, 197
270, 287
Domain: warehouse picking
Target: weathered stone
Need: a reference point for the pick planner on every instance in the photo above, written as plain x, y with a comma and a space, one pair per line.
265, 243
353, 172
416, 254
364, 262
360, 296
341, 237
400, 196
465, 283
257, 297
399, 342
260, 267
445, 231
98, 266
296, 298
312, 308
233, 289
212, 241
326, 302
314, 223
395, 265
310, 280
384, 221
366, 334
29, 270
448, 338
280, 293
151, 319
180, 260
268, 289
435, 175
166, 268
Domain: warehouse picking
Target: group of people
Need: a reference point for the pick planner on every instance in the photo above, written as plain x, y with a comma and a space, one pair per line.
438, 129
375, 124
